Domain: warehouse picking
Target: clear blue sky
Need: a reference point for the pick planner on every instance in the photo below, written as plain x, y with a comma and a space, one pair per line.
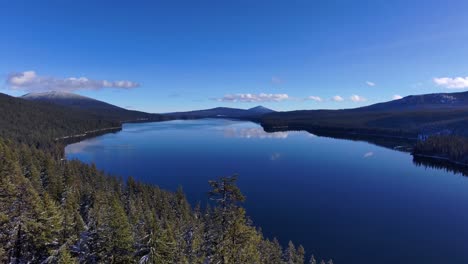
181, 55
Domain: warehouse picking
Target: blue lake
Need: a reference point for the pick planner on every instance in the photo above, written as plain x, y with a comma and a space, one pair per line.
351, 201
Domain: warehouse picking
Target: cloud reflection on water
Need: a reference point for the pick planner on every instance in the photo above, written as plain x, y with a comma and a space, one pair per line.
94, 143
253, 132
80, 146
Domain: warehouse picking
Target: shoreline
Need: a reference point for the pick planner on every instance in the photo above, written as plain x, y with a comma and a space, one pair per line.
88, 133
440, 158
340, 130
319, 132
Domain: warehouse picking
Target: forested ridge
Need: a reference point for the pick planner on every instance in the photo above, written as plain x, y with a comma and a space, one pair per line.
91, 106
38, 124
57, 211
406, 117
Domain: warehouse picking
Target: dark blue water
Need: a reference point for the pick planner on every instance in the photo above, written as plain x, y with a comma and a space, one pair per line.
351, 201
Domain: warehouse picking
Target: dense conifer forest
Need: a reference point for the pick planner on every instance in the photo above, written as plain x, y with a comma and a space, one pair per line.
450, 147
39, 124
58, 211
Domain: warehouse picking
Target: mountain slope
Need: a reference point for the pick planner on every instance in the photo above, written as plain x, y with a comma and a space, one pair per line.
69, 99
407, 117
96, 107
36, 123
422, 102
222, 112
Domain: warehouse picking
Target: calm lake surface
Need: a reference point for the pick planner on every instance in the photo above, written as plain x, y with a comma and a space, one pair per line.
350, 201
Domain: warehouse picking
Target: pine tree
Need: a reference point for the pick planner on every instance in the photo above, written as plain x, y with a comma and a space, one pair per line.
121, 240
300, 255
195, 238
51, 178
65, 257
237, 239
161, 247
29, 168
51, 221
270, 252
182, 207
73, 223
28, 231
290, 254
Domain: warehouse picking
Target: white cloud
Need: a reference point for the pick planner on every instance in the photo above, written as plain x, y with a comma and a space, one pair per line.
368, 154
370, 83
357, 98
31, 82
452, 83
396, 97
248, 98
337, 98
315, 98
21, 78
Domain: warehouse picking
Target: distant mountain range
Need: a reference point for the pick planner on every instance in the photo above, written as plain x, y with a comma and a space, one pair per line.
407, 117
110, 111
222, 112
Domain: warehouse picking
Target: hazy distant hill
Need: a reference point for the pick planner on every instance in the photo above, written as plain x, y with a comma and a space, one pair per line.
91, 105
220, 112
260, 110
